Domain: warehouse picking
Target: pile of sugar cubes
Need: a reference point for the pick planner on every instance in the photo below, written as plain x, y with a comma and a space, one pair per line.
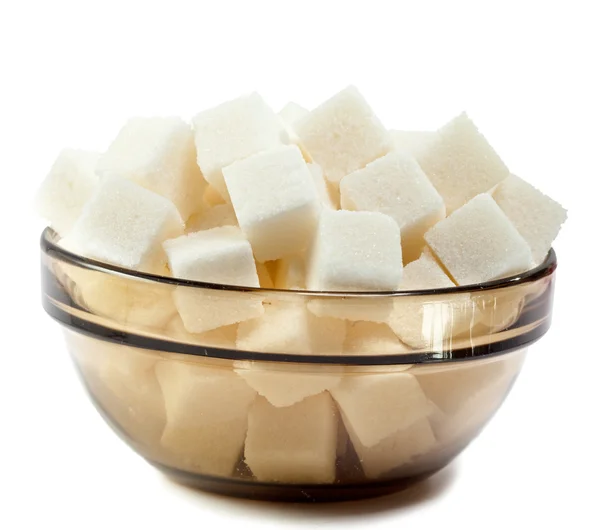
327, 199
321, 200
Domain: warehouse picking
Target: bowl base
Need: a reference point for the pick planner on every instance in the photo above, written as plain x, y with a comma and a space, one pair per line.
307, 493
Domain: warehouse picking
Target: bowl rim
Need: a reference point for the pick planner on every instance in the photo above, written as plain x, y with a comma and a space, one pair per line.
50, 246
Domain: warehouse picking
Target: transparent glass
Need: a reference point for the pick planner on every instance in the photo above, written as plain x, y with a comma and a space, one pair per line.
313, 396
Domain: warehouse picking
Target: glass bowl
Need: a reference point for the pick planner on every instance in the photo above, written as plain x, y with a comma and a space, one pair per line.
312, 396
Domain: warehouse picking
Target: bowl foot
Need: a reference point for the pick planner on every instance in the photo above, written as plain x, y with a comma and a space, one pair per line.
308, 493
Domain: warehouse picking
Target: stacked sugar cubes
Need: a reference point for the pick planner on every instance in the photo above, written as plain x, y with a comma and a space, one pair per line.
319, 200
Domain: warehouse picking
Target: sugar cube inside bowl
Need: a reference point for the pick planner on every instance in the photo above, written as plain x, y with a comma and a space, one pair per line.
125, 224
354, 251
275, 201
219, 255
207, 416
478, 243
123, 383
461, 163
70, 183
396, 185
233, 131
343, 134
295, 444
158, 154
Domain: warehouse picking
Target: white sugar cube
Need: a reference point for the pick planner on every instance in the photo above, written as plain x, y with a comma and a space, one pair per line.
477, 406
294, 444
371, 338
232, 131
291, 328
461, 163
374, 406
289, 115
424, 273
292, 112
125, 224
395, 185
213, 217
220, 255
122, 381
158, 154
355, 251
536, 216
325, 194
451, 387
223, 256
126, 301
430, 323
290, 273
395, 450
275, 201
70, 183
207, 411
343, 134
412, 142
478, 243
223, 337
288, 385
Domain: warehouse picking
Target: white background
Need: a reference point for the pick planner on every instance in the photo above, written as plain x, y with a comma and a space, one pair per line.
527, 72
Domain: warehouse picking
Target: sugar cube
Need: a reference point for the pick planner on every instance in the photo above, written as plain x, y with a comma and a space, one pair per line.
295, 444
232, 131
355, 251
289, 115
220, 255
283, 387
478, 243
412, 142
223, 337
395, 450
127, 301
461, 163
207, 415
158, 154
325, 194
375, 406
395, 185
70, 183
451, 386
288, 327
275, 201
213, 217
125, 224
123, 383
292, 112
343, 134
536, 216
290, 273
467, 410
371, 338
430, 323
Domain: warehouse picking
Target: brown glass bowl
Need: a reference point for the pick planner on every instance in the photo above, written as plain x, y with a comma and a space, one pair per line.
294, 403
